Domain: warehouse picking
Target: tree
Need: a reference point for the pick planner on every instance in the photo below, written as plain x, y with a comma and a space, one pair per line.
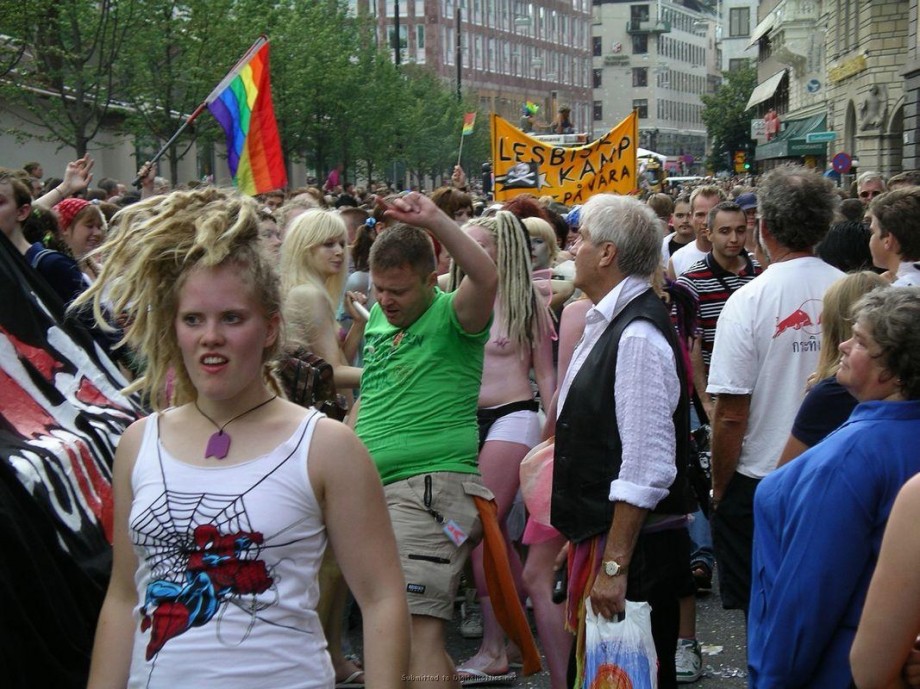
178, 53
726, 117
67, 76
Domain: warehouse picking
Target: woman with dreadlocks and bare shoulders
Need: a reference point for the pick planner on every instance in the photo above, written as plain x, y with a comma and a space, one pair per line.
225, 499
520, 341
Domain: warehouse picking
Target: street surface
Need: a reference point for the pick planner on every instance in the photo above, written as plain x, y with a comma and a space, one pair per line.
721, 633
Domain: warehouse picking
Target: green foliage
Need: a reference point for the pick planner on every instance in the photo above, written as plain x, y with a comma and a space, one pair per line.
725, 117
171, 64
338, 97
70, 62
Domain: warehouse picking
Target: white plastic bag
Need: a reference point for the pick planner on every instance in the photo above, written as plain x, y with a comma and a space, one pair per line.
620, 655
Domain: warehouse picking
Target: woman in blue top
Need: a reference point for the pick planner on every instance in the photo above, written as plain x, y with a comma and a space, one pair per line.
818, 521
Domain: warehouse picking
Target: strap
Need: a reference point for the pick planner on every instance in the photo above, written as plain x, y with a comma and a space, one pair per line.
37, 258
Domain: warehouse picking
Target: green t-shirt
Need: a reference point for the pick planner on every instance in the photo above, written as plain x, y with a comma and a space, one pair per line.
419, 392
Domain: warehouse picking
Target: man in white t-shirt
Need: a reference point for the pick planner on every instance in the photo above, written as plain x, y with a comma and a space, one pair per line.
767, 344
702, 199
895, 239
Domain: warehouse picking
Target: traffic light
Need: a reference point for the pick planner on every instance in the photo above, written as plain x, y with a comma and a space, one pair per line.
741, 163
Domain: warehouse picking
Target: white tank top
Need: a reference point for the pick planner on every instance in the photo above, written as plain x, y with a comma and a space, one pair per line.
227, 579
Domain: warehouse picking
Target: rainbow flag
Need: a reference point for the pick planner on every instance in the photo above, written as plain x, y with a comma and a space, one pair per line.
242, 104
469, 121
531, 108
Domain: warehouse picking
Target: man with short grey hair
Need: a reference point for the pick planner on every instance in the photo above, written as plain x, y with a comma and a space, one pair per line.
869, 185
622, 430
767, 343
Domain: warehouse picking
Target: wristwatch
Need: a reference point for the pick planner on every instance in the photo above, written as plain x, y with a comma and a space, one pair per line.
612, 568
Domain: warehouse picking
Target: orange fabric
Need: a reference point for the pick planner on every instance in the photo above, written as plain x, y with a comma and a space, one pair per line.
505, 600
584, 563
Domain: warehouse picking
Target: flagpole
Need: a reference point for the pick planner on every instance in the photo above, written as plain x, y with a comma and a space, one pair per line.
460, 154
231, 75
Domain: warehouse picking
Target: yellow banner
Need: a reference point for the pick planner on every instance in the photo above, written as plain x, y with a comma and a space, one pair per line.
525, 165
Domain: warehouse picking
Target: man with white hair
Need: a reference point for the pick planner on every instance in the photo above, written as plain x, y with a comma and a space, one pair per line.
619, 482
869, 185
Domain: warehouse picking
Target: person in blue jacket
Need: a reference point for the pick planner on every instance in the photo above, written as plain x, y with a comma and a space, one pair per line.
818, 521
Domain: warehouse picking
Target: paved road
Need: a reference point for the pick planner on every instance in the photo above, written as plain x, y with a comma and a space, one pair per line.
720, 631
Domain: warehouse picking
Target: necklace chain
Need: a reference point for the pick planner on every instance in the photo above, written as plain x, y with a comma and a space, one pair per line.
220, 429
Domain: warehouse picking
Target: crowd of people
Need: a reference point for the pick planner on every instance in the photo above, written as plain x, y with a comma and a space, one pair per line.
726, 384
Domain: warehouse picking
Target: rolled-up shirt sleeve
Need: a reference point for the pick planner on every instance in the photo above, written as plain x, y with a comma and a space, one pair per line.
646, 394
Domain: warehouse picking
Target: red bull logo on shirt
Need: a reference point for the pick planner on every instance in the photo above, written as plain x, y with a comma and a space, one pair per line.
807, 317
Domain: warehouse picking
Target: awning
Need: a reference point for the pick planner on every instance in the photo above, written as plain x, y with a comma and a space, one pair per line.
790, 143
645, 153
761, 30
765, 89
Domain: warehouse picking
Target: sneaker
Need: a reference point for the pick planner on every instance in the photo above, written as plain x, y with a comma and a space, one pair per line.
471, 621
688, 660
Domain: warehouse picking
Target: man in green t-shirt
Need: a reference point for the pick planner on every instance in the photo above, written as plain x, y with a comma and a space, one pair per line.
419, 389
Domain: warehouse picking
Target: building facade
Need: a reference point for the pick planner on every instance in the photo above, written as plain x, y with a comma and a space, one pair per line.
837, 70
506, 51
738, 19
911, 72
663, 55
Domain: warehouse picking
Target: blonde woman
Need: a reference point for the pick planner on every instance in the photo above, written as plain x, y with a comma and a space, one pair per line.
224, 501
828, 404
314, 267
520, 341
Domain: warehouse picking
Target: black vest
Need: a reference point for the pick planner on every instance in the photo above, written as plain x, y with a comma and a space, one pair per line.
588, 450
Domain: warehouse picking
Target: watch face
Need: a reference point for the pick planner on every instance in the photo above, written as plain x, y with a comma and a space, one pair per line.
611, 568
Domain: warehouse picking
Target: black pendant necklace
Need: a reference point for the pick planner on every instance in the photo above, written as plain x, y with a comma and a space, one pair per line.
219, 442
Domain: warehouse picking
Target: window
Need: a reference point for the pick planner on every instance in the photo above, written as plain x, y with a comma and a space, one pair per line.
639, 44
641, 104
597, 46
737, 63
403, 40
640, 76
598, 110
420, 43
391, 9
848, 24
598, 80
739, 22
638, 13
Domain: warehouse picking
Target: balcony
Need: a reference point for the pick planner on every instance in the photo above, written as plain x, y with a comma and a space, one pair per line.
646, 26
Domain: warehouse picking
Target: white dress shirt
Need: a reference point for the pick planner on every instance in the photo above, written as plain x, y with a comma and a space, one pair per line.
646, 394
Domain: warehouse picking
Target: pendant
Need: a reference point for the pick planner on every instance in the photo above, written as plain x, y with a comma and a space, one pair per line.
218, 445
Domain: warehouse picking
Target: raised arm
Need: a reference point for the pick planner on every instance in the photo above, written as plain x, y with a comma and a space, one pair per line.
476, 294
77, 176
348, 487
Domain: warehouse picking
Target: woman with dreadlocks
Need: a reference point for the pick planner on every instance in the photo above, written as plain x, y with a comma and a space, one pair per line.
224, 501
520, 341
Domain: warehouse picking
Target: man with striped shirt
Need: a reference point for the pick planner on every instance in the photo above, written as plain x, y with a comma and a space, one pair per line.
713, 279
